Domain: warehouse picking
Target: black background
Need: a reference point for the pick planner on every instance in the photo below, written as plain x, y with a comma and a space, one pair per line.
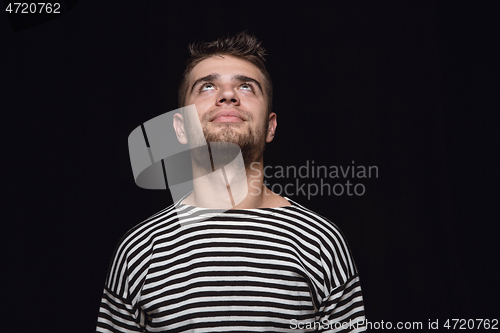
409, 86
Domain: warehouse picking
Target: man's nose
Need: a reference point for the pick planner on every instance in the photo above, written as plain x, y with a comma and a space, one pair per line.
228, 95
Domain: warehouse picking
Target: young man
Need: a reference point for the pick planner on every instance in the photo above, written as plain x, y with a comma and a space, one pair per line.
256, 262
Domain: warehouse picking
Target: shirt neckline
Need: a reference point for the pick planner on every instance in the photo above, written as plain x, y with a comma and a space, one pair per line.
181, 204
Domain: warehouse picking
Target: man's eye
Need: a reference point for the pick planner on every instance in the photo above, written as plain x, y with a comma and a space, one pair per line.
207, 86
246, 86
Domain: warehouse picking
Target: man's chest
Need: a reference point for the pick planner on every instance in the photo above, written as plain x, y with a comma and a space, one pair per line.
229, 278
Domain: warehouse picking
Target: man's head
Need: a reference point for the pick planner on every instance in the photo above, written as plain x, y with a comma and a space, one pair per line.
227, 81
241, 45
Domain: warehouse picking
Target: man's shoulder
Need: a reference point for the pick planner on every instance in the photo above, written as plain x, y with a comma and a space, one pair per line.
313, 218
307, 215
145, 232
332, 241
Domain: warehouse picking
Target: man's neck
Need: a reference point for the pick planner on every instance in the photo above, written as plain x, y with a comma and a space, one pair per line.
235, 186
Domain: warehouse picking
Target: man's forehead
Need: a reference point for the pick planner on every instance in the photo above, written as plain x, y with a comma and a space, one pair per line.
226, 66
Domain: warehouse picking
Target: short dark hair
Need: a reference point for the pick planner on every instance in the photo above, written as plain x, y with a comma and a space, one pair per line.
241, 45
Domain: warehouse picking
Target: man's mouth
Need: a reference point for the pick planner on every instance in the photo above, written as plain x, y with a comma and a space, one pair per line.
227, 119
227, 116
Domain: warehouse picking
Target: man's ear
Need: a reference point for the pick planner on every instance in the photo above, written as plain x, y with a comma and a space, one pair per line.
179, 128
271, 129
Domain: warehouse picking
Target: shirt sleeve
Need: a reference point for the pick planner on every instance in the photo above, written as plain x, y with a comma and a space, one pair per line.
341, 307
116, 315
118, 312
342, 310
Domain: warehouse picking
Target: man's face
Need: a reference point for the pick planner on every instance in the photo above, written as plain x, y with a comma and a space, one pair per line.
229, 96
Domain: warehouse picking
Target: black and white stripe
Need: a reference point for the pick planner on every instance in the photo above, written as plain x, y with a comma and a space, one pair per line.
251, 270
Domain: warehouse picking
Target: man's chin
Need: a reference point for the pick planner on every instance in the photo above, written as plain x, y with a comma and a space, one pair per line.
242, 136
226, 134
226, 126
234, 139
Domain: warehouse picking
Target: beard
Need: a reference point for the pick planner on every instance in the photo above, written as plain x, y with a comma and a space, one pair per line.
223, 141
226, 140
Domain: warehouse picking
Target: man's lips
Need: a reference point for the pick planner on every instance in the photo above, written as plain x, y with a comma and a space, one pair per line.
227, 119
227, 116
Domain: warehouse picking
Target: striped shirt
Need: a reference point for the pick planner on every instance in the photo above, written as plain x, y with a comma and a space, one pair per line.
191, 269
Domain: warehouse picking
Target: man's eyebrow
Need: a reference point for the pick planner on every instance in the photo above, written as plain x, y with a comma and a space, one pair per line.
243, 78
208, 78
